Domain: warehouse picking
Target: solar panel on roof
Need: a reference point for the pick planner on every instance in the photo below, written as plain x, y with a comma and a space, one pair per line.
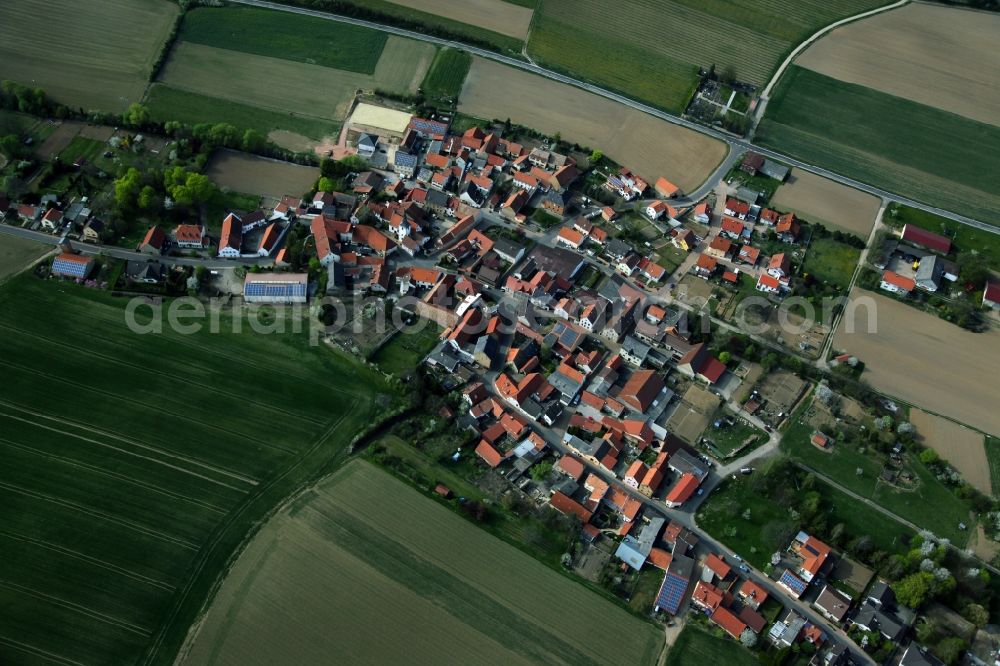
792, 582
671, 593
71, 268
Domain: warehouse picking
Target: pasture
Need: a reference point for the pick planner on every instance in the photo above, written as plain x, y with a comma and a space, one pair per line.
16, 254
166, 103
905, 356
645, 144
919, 52
627, 51
287, 87
827, 202
403, 354
962, 447
92, 55
495, 15
447, 74
365, 567
285, 35
890, 142
831, 262
133, 471
242, 172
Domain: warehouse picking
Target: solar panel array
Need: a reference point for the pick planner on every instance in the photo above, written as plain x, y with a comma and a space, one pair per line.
671, 593
70, 268
275, 290
428, 126
793, 582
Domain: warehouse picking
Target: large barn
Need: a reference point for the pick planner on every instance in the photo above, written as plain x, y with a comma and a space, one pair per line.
275, 288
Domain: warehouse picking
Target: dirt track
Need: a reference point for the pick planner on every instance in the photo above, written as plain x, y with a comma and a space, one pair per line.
819, 199
925, 360
496, 15
962, 447
651, 147
943, 57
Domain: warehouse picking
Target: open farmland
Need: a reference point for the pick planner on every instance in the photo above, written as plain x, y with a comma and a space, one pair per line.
447, 74
133, 471
242, 172
366, 568
925, 360
284, 86
16, 254
652, 50
95, 55
285, 35
650, 146
920, 52
915, 150
496, 15
961, 446
827, 202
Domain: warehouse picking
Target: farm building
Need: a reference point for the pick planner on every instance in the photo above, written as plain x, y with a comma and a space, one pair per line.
72, 265
927, 239
275, 287
896, 283
675, 583
991, 295
378, 120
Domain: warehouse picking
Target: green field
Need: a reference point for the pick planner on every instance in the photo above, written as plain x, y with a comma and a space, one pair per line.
95, 55
415, 19
403, 354
931, 505
831, 262
80, 146
963, 237
723, 516
166, 103
286, 35
133, 470
447, 74
727, 439
904, 147
368, 568
16, 253
992, 445
629, 50
697, 646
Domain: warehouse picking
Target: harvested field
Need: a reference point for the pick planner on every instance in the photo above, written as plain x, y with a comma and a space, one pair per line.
496, 15
104, 53
650, 146
241, 172
290, 87
16, 254
919, 52
827, 202
961, 446
924, 360
366, 568
899, 145
693, 413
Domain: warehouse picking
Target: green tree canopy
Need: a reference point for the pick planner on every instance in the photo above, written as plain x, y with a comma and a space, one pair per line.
136, 115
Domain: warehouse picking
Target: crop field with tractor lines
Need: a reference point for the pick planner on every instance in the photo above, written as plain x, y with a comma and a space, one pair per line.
136, 464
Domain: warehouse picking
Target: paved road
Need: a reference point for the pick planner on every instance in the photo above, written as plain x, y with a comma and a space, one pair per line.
122, 253
736, 145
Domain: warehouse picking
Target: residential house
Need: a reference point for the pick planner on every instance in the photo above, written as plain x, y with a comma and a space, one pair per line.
665, 188
832, 603
698, 362
929, 273
570, 237
682, 490
514, 203
749, 255
675, 583
751, 594
231, 238
636, 473
788, 228
771, 285
752, 163
684, 240
92, 231
732, 228
720, 248
189, 236
738, 209
154, 242
705, 266
779, 266
897, 284
657, 208
916, 655
702, 213
555, 202
52, 219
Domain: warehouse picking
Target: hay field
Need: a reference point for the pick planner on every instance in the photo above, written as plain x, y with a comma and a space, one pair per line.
16, 254
364, 569
652, 49
95, 55
827, 202
281, 85
919, 52
925, 360
132, 471
650, 146
496, 15
241, 172
962, 447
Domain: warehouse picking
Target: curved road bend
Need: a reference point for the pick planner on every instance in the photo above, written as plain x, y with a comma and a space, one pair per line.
734, 143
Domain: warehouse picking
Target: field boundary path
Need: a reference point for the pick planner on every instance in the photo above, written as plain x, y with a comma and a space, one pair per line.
735, 144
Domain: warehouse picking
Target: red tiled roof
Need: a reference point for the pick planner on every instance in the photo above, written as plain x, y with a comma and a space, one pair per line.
659, 558
565, 504
188, 233
717, 565
571, 465
928, 239
489, 454
683, 489
706, 262
707, 595
154, 238
899, 281
665, 187
641, 389
732, 226
729, 622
